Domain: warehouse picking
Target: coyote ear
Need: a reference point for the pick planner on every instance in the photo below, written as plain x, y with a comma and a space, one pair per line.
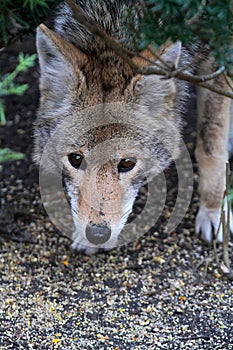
151, 90
171, 54
60, 64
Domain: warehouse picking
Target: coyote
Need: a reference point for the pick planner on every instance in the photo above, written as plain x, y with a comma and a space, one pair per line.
125, 127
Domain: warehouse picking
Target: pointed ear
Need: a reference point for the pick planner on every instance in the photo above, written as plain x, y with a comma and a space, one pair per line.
152, 90
171, 53
60, 64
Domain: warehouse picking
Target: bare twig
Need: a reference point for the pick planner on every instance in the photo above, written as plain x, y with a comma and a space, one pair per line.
200, 78
226, 232
159, 58
224, 266
194, 79
96, 29
128, 55
152, 62
228, 81
191, 63
216, 237
216, 89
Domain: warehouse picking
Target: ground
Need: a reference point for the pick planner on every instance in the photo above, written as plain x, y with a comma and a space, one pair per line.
162, 291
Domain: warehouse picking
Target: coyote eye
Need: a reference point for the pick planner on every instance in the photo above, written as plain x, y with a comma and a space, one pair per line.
126, 164
75, 160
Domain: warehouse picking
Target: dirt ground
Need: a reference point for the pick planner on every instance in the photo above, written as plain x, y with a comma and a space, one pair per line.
162, 291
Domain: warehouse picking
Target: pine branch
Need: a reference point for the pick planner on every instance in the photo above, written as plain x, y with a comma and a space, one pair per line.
197, 15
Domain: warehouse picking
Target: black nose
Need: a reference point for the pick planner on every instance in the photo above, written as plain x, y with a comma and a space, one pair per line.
98, 234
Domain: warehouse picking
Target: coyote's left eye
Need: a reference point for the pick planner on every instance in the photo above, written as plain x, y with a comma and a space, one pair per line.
126, 164
75, 160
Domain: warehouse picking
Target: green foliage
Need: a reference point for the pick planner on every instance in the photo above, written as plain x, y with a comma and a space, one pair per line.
19, 17
6, 154
8, 86
206, 21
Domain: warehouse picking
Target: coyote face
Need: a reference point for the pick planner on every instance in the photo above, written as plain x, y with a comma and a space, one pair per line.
111, 130
101, 187
118, 130
104, 169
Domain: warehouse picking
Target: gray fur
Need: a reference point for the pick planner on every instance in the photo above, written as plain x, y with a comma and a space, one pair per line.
108, 14
144, 116
84, 86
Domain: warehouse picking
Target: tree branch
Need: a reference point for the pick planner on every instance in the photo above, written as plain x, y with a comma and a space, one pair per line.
127, 56
97, 30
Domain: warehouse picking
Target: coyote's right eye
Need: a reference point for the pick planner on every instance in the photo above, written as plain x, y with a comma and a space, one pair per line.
75, 159
126, 165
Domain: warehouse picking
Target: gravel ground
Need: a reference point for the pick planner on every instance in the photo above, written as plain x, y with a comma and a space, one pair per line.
159, 292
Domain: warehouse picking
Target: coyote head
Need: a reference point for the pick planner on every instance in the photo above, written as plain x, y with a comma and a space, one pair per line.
110, 131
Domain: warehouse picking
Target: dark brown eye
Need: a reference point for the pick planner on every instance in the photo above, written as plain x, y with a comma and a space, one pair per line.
75, 160
126, 164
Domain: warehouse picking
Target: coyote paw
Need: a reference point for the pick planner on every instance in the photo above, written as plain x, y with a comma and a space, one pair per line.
207, 223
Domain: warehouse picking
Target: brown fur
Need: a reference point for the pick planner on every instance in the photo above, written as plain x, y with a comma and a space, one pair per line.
108, 114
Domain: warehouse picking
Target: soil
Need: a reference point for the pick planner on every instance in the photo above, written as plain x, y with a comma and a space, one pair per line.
161, 291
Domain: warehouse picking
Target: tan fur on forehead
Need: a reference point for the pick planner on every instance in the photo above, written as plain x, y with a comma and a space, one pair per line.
107, 132
107, 78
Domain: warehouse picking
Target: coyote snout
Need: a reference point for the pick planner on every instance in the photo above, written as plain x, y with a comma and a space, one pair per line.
102, 193
98, 234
